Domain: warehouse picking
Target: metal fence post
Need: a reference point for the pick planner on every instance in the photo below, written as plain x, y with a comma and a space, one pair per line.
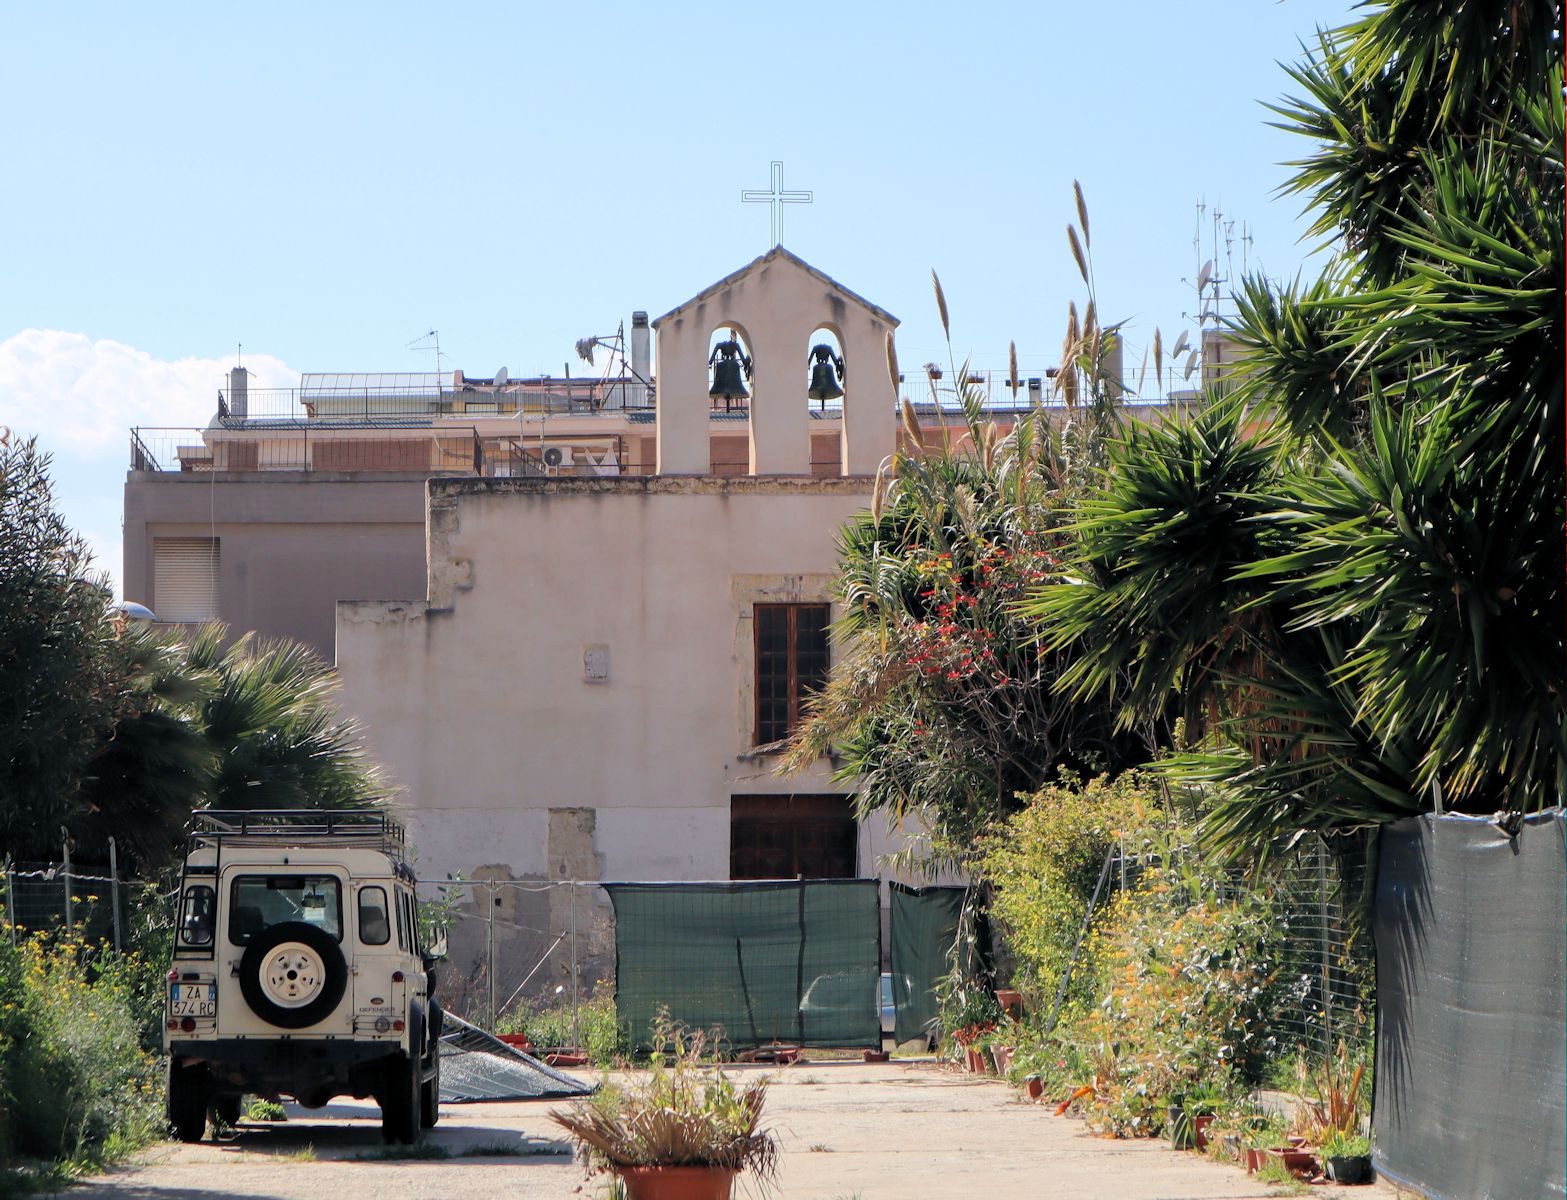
576, 999
70, 911
114, 894
10, 900
1327, 949
491, 889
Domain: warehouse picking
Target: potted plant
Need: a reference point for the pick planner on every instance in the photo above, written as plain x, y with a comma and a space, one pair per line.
971, 1040
1347, 1158
1189, 1114
1266, 1134
1001, 1051
683, 1132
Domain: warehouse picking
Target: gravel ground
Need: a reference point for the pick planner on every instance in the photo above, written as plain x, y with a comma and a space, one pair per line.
910, 1131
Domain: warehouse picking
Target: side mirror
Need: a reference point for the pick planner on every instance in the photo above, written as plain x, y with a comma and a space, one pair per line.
437, 947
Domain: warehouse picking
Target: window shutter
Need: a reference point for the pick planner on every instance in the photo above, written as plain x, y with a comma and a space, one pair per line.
185, 578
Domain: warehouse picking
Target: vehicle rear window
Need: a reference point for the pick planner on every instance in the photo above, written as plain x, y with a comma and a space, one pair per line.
196, 915
375, 926
258, 902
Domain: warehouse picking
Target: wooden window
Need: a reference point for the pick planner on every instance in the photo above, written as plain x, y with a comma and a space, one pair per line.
791, 663
185, 578
792, 837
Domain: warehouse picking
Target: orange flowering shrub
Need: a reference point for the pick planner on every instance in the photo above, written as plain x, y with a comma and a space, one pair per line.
1191, 980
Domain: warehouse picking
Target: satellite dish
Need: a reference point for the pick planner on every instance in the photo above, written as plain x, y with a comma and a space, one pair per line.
134, 611
554, 456
500, 379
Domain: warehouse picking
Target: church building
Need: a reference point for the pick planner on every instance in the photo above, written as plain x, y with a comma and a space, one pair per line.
596, 680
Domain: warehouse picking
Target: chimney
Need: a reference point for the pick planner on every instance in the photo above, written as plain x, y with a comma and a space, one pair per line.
1114, 371
239, 393
641, 347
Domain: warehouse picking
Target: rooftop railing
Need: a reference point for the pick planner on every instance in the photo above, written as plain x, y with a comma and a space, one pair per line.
378, 403
413, 450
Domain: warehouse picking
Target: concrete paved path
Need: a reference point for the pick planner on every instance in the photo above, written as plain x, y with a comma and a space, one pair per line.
895, 1132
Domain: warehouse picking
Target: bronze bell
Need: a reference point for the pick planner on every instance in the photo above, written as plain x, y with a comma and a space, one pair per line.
731, 368
826, 373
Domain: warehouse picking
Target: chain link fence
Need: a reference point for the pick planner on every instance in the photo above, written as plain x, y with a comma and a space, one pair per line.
1320, 893
551, 943
515, 941
54, 896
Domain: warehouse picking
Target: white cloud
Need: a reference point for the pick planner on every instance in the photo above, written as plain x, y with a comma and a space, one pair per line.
78, 394
82, 397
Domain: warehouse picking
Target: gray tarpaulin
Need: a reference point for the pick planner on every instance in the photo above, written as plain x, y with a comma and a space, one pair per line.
1471, 1078
924, 928
476, 1066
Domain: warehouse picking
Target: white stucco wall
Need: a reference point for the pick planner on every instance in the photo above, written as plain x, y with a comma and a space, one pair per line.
476, 700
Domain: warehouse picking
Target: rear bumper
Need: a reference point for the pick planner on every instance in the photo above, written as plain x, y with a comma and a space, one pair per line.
291, 1067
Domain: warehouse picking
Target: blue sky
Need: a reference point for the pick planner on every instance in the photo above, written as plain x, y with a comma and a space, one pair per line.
324, 183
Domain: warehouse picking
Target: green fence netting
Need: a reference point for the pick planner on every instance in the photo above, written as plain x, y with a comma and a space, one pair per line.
924, 928
796, 962
1471, 1078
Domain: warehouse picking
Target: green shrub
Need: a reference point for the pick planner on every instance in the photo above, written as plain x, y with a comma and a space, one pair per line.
76, 1085
1043, 865
549, 1025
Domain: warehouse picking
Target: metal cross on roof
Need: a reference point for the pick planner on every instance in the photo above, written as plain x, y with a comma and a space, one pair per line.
777, 198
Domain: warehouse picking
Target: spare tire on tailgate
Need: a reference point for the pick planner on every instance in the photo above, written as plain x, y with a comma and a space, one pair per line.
293, 975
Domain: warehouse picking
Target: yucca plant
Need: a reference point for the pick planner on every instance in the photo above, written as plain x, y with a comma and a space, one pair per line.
1354, 568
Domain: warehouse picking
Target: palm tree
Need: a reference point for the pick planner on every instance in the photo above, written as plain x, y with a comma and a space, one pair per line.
206, 723
270, 715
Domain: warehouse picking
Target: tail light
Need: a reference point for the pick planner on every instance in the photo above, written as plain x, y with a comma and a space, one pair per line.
188, 1024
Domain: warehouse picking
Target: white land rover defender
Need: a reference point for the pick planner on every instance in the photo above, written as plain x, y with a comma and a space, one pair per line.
298, 971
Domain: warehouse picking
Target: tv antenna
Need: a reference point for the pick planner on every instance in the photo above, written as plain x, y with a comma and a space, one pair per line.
429, 340
1208, 282
615, 343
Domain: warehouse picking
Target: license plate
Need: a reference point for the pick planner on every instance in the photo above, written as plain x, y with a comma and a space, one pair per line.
193, 999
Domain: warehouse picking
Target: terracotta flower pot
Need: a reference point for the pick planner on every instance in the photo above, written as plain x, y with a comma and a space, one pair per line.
1298, 1162
1254, 1159
1034, 1087
677, 1183
1200, 1130
876, 1056
975, 1060
1009, 1000
1002, 1056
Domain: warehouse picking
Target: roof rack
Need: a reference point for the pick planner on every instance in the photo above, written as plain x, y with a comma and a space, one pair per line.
298, 827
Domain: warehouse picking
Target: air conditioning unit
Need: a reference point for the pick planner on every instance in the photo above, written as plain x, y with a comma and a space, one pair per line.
558, 458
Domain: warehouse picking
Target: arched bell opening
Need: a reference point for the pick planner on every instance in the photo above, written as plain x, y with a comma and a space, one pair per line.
729, 376
729, 366
826, 371
826, 378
